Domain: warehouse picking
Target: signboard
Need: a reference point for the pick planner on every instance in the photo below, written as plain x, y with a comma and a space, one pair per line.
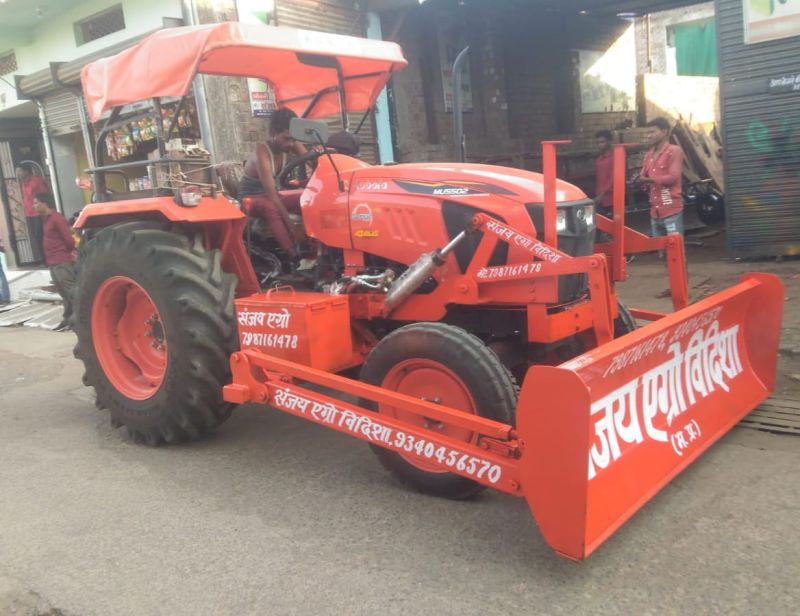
785, 83
262, 97
767, 20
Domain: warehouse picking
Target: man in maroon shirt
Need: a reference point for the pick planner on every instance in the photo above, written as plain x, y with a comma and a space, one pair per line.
58, 253
662, 172
604, 173
32, 185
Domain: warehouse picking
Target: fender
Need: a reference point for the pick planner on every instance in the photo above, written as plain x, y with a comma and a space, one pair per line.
210, 209
221, 221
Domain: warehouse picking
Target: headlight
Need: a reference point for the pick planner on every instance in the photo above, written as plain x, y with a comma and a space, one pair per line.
588, 214
561, 220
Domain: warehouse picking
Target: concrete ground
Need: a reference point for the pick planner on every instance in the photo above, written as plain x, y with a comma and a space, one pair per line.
272, 515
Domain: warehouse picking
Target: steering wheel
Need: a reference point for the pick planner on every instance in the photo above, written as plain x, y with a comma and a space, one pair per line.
287, 173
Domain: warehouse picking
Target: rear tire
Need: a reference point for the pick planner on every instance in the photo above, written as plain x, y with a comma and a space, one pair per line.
161, 377
432, 360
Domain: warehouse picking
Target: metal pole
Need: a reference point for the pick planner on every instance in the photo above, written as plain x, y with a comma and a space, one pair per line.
191, 18
48, 150
459, 142
549, 174
86, 130
618, 196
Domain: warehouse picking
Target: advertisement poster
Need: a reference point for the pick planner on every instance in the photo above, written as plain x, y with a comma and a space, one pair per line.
767, 20
262, 98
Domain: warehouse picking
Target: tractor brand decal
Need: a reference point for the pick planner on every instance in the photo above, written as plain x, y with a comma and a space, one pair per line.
455, 188
373, 430
366, 233
362, 213
523, 241
501, 271
372, 186
273, 320
452, 190
273, 341
709, 362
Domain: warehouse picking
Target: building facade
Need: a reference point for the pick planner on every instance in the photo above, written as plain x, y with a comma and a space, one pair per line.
42, 121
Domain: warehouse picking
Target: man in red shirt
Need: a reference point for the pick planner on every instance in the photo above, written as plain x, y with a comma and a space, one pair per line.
604, 173
32, 185
662, 172
58, 252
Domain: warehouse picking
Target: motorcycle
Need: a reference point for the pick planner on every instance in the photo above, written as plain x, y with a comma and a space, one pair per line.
707, 200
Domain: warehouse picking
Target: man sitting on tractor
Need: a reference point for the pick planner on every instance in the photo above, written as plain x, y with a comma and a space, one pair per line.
258, 181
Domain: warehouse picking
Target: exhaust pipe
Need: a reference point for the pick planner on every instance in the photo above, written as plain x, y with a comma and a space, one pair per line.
417, 273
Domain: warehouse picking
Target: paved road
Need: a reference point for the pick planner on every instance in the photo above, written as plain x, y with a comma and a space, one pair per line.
272, 515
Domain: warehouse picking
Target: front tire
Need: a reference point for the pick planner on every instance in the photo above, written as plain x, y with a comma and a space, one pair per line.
155, 323
444, 364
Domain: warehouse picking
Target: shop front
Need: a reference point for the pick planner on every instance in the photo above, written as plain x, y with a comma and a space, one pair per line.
20, 144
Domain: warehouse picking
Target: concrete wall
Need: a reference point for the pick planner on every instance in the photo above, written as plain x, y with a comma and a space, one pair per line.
525, 84
423, 127
652, 57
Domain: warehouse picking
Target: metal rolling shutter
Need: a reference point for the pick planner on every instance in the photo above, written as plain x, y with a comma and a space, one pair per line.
761, 133
62, 113
339, 17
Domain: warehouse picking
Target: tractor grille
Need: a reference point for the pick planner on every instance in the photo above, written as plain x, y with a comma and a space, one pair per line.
577, 240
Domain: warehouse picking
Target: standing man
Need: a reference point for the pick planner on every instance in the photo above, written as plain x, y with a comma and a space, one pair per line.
58, 252
604, 173
258, 181
662, 172
32, 185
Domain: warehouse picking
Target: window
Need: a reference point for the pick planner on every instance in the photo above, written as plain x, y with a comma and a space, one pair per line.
8, 63
99, 25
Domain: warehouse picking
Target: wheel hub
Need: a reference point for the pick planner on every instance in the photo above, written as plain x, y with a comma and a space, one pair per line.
432, 382
129, 337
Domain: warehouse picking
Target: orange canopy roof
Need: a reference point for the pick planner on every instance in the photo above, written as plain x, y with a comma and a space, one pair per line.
165, 63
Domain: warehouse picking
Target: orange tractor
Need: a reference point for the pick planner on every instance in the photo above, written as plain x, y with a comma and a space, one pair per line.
491, 347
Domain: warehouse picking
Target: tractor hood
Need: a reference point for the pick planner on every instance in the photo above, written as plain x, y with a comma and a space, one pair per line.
462, 180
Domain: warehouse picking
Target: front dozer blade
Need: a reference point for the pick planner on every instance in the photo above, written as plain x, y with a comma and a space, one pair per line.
603, 433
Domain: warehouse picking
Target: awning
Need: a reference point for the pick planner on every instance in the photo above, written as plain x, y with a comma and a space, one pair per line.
294, 61
61, 74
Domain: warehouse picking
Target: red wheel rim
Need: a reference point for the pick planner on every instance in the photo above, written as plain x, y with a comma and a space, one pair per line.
434, 382
129, 338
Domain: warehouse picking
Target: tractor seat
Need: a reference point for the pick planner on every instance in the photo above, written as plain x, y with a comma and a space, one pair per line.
230, 175
344, 142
